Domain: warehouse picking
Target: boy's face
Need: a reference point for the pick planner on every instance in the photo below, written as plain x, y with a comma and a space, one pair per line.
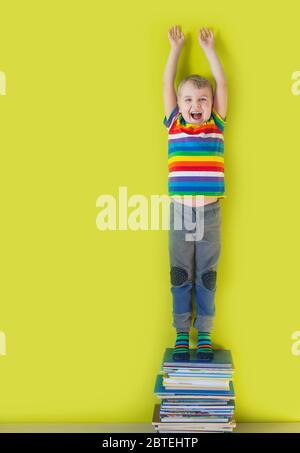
195, 104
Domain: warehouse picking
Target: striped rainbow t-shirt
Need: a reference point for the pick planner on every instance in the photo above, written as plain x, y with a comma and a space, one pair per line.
195, 156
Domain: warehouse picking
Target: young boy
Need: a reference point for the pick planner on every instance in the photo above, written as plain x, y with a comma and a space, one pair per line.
195, 118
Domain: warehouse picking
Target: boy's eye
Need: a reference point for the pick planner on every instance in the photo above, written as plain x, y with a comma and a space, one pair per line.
201, 99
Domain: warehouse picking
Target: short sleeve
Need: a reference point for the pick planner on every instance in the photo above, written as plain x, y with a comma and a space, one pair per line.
168, 122
220, 122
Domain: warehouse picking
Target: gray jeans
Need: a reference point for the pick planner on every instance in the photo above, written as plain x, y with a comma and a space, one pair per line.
194, 251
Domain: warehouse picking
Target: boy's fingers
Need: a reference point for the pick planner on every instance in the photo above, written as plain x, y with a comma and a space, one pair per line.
175, 33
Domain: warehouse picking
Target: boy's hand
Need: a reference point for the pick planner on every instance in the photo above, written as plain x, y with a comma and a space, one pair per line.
176, 37
206, 39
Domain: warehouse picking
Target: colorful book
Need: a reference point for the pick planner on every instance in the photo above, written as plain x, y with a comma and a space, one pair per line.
222, 359
161, 392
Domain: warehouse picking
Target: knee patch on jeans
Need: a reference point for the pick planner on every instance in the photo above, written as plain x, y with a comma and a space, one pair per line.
209, 279
178, 275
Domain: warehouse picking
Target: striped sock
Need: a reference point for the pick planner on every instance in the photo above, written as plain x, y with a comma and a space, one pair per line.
204, 347
181, 350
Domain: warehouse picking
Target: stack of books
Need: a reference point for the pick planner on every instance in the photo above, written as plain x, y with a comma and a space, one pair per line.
196, 396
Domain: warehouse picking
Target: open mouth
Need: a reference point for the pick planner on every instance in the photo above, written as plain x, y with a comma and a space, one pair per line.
196, 115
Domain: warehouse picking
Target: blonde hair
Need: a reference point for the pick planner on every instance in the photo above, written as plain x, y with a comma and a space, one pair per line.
198, 82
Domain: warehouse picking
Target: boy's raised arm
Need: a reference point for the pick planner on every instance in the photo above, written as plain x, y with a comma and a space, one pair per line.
176, 38
206, 41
